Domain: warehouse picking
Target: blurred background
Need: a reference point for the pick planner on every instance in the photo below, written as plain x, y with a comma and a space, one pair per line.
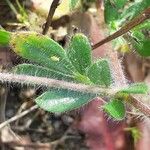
87, 128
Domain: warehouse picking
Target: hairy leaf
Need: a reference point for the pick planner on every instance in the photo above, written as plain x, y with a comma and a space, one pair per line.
136, 88
62, 100
115, 108
39, 71
99, 73
141, 42
110, 12
143, 47
79, 52
42, 50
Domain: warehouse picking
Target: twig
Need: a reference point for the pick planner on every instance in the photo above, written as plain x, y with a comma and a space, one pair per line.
12, 7
30, 145
18, 116
51, 145
3, 99
52, 9
144, 108
133, 23
53, 83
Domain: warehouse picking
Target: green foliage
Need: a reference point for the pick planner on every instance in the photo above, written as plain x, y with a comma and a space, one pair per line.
143, 47
99, 73
4, 38
75, 65
141, 40
52, 61
134, 9
122, 10
110, 12
117, 13
112, 9
62, 100
42, 50
118, 4
136, 88
73, 3
79, 52
115, 108
39, 71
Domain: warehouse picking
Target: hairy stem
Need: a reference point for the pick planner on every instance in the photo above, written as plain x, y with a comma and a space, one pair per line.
53, 83
52, 9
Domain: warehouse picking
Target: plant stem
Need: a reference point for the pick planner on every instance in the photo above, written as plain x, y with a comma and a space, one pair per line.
3, 99
53, 83
133, 23
52, 9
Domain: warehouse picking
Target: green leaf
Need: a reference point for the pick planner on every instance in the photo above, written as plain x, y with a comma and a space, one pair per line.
118, 11
110, 12
135, 8
141, 42
4, 37
119, 3
62, 100
143, 47
39, 71
144, 26
136, 88
42, 50
138, 35
79, 52
73, 3
83, 79
99, 73
115, 108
